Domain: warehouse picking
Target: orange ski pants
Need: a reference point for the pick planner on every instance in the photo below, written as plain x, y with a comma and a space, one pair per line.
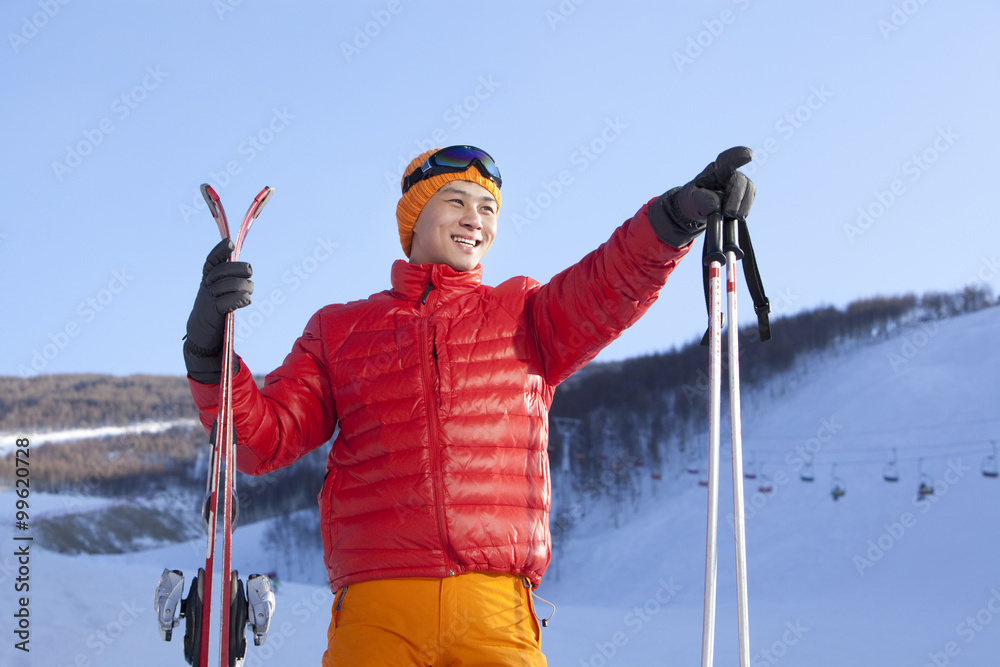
478, 618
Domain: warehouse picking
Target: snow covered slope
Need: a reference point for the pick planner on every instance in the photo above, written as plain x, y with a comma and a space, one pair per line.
877, 578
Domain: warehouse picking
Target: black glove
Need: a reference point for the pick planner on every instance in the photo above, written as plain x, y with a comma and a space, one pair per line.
225, 286
680, 214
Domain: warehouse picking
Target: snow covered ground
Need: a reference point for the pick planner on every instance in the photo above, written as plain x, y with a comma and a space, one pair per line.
876, 579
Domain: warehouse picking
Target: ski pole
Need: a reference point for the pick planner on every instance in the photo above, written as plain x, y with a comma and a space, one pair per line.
714, 258
722, 248
731, 247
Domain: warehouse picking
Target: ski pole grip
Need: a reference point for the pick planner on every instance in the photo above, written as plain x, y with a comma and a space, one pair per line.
713, 240
730, 237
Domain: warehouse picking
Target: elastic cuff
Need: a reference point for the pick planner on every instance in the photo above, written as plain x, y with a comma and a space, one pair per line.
196, 350
662, 217
206, 369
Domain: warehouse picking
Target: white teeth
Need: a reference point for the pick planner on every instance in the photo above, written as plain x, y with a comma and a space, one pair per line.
468, 242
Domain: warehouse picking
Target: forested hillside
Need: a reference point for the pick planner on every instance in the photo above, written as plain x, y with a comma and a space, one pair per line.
53, 402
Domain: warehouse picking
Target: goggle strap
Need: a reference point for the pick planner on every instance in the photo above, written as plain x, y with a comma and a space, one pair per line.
427, 169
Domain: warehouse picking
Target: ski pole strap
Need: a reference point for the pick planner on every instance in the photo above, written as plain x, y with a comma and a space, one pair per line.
761, 304
214, 434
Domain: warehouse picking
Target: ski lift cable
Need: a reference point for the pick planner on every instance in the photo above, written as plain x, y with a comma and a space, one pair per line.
885, 431
979, 443
870, 461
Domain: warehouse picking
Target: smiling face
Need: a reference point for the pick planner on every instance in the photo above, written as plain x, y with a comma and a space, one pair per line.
456, 226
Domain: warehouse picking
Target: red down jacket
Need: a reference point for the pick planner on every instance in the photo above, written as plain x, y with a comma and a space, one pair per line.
441, 388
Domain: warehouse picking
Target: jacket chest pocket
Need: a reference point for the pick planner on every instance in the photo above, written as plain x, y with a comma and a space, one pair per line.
438, 362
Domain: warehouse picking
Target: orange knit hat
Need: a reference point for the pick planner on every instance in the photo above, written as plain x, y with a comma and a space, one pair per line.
413, 200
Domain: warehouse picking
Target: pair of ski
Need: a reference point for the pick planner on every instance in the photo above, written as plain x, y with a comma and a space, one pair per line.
255, 606
723, 241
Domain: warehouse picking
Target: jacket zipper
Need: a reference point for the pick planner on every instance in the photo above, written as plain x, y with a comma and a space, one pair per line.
429, 359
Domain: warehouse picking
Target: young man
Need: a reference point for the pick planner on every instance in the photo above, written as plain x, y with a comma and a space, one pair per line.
435, 507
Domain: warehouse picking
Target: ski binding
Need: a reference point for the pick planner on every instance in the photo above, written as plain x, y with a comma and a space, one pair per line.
167, 601
260, 598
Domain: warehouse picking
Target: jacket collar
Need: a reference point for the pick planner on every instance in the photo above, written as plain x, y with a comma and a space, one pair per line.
410, 281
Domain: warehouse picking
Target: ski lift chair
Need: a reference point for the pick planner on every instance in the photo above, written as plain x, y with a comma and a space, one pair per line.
838, 489
890, 472
693, 466
989, 468
926, 487
764, 483
807, 474
750, 469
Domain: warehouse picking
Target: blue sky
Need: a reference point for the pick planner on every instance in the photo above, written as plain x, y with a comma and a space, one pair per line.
873, 124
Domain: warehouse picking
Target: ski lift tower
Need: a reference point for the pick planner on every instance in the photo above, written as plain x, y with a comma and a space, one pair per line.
568, 428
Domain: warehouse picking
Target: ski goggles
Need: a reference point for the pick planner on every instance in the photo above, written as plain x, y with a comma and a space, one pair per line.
454, 159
